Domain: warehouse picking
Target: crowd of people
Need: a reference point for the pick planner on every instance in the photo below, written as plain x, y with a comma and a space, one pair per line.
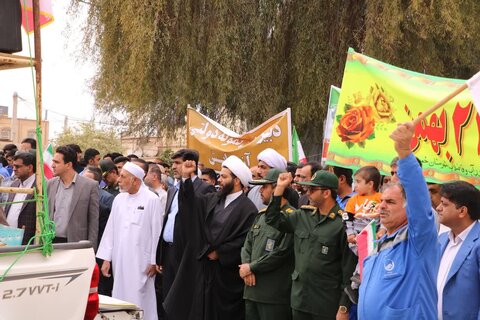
276, 241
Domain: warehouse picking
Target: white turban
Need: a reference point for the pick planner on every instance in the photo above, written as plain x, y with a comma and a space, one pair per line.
238, 168
273, 159
134, 169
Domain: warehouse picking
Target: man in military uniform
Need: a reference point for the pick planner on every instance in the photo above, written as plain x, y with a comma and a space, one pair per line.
267, 261
323, 261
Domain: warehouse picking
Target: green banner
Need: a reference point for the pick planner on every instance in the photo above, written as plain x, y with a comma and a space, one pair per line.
329, 120
375, 96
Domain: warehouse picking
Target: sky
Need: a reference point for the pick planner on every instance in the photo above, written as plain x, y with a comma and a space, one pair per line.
65, 80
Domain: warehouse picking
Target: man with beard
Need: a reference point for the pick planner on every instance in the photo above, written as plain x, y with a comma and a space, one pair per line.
130, 241
267, 261
306, 173
218, 225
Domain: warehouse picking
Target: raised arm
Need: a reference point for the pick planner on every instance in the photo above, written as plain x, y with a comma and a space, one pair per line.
274, 216
421, 222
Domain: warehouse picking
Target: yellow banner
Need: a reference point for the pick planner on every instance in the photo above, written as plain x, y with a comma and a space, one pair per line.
215, 143
376, 96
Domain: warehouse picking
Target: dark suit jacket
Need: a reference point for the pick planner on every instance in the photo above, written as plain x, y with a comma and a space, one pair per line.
199, 187
27, 217
84, 209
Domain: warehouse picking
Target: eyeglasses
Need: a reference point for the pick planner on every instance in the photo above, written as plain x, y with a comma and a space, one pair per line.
393, 173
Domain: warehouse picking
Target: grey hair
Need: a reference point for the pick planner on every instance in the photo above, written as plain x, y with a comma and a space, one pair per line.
164, 179
400, 186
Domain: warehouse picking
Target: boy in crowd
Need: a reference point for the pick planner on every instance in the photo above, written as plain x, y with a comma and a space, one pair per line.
359, 212
360, 208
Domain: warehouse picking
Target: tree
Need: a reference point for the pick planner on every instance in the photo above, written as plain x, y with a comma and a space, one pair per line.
87, 136
166, 156
247, 59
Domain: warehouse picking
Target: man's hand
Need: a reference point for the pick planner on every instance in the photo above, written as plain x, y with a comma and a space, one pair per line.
402, 136
244, 270
250, 280
213, 255
106, 269
342, 316
159, 269
151, 270
284, 180
352, 239
188, 168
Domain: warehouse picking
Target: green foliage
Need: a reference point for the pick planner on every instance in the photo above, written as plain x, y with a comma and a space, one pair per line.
250, 59
87, 136
166, 156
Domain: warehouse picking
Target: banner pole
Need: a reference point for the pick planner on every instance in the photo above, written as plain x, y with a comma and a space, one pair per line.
439, 104
187, 127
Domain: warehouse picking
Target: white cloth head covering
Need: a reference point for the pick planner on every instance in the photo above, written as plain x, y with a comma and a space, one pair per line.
238, 168
273, 159
134, 169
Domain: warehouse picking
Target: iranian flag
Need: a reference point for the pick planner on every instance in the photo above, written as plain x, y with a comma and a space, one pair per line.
298, 155
474, 86
366, 243
47, 161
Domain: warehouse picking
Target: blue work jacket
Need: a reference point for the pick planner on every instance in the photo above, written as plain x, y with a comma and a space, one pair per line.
399, 281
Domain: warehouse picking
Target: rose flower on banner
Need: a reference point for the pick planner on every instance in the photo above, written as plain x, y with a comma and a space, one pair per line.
361, 116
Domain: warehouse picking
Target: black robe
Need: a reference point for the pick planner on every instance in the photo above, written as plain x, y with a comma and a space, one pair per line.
204, 289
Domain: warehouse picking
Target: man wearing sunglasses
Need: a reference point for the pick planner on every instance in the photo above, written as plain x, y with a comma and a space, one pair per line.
323, 261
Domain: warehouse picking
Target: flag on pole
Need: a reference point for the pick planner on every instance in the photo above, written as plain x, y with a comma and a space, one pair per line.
298, 156
46, 14
329, 122
474, 86
366, 243
47, 162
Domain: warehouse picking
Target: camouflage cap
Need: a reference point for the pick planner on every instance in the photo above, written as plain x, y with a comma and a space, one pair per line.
322, 178
271, 177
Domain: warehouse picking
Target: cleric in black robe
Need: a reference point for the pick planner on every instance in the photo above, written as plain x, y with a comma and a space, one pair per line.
208, 285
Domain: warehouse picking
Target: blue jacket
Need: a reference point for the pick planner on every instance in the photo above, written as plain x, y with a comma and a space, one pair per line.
399, 281
461, 294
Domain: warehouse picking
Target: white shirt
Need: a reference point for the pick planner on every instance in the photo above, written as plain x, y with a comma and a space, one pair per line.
446, 263
172, 213
231, 197
130, 242
16, 208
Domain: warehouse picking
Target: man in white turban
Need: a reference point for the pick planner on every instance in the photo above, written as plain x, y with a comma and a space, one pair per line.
224, 219
267, 159
130, 240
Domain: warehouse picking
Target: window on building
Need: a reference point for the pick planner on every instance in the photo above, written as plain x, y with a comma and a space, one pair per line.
5, 133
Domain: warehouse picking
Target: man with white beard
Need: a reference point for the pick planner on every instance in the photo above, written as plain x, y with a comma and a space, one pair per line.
130, 241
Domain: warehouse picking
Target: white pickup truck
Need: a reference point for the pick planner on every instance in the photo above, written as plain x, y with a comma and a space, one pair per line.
54, 287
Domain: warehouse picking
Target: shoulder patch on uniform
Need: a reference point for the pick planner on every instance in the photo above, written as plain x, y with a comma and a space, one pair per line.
289, 210
308, 207
340, 212
332, 215
256, 226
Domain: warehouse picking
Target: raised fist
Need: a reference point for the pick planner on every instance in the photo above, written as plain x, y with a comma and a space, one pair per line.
188, 167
